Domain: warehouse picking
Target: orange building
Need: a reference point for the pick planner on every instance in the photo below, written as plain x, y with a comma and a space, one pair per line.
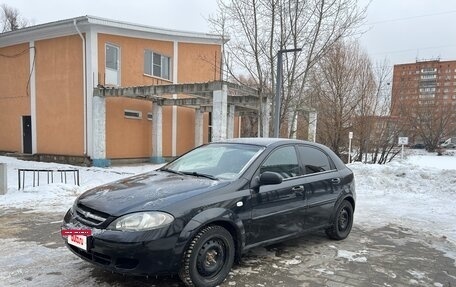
48, 74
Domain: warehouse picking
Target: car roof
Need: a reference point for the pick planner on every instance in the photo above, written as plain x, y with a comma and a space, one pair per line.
262, 141
273, 142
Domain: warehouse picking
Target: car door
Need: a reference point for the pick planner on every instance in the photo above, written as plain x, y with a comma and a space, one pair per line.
322, 185
278, 210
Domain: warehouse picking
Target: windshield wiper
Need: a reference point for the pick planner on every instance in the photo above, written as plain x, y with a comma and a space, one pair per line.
194, 173
171, 171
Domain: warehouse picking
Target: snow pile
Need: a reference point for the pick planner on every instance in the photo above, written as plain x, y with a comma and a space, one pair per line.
418, 192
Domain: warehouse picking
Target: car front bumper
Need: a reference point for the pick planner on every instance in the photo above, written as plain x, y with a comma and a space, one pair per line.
135, 253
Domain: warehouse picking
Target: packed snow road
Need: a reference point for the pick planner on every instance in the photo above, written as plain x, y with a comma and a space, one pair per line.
31, 254
404, 234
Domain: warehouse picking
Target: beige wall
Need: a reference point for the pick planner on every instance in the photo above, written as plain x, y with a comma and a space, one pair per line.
185, 130
128, 138
132, 58
14, 95
59, 96
198, 63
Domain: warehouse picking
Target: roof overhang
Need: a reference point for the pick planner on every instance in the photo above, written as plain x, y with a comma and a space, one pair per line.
101, 25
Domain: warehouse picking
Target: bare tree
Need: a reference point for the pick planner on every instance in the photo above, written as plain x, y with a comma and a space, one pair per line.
261, 28
430, 120
11, 19
342, 87
376, 131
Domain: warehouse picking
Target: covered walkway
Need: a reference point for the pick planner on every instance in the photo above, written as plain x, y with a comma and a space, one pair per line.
223, 99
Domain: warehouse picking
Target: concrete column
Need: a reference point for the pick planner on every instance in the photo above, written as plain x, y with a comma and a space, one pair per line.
157, 134
219, 114
99, 132
3, 179
230, 122
33, 97
198, 127
292, 125
312, 127
174, 129
92, 81
266, 110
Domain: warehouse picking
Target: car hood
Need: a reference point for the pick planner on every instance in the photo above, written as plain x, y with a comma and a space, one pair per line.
149, 191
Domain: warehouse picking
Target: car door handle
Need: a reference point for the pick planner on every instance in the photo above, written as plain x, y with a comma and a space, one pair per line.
335, 180
298, 188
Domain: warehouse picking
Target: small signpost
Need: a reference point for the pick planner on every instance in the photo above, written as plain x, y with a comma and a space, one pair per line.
350, 136
403, 141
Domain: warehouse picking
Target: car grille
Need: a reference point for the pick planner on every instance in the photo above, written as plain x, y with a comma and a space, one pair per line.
90, 216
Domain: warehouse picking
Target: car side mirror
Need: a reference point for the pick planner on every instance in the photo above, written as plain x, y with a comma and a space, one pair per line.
269, 177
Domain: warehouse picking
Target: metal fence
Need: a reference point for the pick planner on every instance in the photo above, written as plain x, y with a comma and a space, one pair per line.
63, 175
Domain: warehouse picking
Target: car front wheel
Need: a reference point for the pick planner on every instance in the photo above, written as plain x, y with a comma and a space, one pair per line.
342, 222
208, 259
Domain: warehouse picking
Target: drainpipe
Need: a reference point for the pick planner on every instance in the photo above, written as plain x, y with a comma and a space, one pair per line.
84, 84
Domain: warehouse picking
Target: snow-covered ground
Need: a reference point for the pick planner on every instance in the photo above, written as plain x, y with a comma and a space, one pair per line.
417, 192
57, 196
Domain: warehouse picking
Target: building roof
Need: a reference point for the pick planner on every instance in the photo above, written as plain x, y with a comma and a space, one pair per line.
101, 25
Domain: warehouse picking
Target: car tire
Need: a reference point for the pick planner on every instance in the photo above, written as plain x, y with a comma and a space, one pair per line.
208, 258
342, 222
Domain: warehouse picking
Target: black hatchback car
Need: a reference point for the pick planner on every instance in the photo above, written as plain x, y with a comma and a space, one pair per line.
199, 213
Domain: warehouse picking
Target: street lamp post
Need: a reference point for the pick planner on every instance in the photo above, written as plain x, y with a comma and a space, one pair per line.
279, 88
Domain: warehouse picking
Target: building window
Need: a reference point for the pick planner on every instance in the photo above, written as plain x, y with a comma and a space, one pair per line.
428, 77
428, 70
427, 90
112, 65
129, 114
157, 65
149, 116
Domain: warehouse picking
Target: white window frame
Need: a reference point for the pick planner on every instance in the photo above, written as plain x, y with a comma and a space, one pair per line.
162, 57
139, 117
118, 64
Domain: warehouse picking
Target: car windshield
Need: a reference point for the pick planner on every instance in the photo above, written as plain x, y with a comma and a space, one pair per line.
218, 161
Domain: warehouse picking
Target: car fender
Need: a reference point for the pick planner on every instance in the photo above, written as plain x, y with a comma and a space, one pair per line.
338, 202
205, 218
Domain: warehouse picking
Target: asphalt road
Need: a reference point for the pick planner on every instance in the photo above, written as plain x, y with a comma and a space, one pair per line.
32, 254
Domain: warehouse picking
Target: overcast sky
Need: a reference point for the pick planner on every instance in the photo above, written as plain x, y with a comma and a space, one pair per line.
398, 30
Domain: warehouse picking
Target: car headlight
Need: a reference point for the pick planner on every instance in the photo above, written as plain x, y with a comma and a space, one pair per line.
140, 221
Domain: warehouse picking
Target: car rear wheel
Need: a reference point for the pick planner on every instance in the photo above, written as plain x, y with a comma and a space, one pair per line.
342, 222
208, 259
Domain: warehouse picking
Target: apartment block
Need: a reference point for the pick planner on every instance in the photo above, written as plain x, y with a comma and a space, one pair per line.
424, 93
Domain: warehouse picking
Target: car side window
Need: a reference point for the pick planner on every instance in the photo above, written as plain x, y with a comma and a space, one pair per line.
283, 161
314, 160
